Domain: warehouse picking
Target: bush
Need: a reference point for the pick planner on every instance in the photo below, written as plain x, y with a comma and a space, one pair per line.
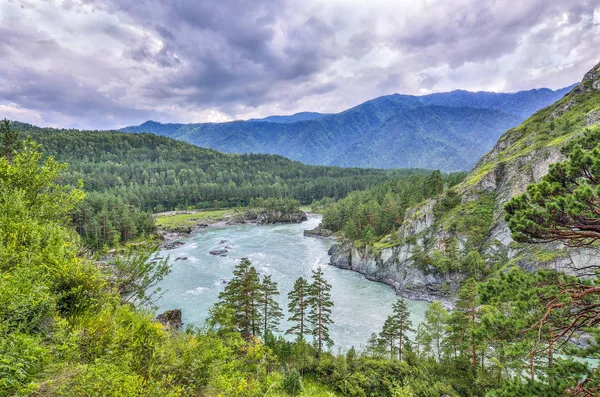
292, 383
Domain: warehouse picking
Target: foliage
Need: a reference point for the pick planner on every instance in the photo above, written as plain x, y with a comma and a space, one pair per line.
319, 317
298, 307
367, 215
137, 272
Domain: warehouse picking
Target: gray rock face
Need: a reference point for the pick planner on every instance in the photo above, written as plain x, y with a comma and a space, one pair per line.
219, 252
319, 232
171, 319
394, 267
593, 117
269, 217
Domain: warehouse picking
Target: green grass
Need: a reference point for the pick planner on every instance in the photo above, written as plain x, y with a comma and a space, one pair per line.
192, 218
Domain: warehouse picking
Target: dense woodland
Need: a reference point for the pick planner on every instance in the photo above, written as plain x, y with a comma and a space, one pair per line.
126, 177
368, 215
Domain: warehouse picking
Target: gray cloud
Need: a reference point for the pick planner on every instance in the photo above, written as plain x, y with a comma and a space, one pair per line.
109, 63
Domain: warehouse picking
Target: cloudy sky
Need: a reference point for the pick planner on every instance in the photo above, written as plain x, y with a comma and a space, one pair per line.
112, 63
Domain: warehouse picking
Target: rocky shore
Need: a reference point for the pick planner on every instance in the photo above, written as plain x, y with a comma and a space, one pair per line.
392, 266
320, 232
170, 235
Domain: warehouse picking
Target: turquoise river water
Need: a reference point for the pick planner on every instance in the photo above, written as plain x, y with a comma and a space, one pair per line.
361, 306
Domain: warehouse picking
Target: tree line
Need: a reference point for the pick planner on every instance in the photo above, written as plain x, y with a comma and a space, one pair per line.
129, 176
367, 215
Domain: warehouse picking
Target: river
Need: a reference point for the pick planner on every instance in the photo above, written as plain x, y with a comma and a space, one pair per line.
360, 306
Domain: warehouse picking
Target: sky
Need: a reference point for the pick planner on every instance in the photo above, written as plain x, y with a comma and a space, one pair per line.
100, 64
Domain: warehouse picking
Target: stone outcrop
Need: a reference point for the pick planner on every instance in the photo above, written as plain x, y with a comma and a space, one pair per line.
263, 217
171, 319
319, 232
394, 266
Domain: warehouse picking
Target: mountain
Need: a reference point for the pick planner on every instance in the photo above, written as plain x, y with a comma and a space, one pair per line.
302, 116
424, 259
447, 131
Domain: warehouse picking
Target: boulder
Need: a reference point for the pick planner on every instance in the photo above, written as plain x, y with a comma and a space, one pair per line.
219, 252
319, 231
171, 319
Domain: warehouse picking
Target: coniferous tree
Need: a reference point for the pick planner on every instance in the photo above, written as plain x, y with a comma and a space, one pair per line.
402, 323
9, 139
298, 307
242, 296
388, 335
396, 328
271, 311
436, 317
319, 299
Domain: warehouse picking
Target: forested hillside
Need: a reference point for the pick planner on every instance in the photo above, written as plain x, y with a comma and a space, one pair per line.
128, 176
446, 131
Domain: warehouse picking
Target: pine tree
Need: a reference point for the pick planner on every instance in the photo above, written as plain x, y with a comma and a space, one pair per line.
319, 299
436, 317
271, 311
388, 335
9, 140
403, 324
298, 307
396, 328
373, 345
242, 296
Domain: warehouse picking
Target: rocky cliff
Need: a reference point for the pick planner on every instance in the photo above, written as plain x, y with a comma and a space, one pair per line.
470, 217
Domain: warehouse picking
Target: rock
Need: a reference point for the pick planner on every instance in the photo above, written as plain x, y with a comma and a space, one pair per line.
171, 319
172, 245
219, 252
181, 258
270, 217
583, 340
394, 266
593, 117
222, 241
319, 232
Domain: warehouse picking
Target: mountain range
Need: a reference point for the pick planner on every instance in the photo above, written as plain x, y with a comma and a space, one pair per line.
447, 131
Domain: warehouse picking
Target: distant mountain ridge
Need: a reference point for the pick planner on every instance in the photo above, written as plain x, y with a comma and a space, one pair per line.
448, 131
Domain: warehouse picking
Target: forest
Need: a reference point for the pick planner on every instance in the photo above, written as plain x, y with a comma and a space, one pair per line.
127, 177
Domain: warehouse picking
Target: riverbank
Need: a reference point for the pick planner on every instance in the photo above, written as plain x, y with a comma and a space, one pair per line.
175, 225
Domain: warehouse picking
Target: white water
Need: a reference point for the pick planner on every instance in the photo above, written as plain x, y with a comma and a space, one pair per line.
361, 306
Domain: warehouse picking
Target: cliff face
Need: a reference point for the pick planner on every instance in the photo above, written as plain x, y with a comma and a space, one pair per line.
471, 216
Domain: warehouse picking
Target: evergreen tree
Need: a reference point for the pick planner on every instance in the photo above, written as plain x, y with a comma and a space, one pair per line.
271, 311
319, 299
9, 140
242, 296
402, 323
388, 335
436, 317
298, 307
396, 328
373, 345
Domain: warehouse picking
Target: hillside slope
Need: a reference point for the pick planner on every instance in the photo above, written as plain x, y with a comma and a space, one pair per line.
428, 256
447, 131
